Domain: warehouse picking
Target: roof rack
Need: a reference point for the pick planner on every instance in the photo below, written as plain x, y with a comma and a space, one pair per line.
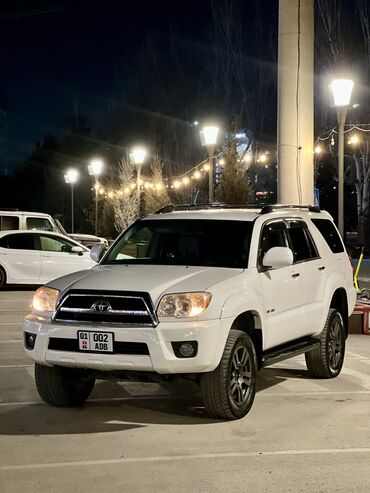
265, 208
271, 207
195, 207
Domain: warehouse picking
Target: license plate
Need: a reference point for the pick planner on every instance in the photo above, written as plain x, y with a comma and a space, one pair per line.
97, 342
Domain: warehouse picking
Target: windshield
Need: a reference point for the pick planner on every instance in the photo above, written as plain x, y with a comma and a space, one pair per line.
215, 243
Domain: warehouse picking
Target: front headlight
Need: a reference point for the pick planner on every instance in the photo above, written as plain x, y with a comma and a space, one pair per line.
45, 299
183, 305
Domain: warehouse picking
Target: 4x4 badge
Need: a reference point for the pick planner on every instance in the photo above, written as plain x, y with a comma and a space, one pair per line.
101, 306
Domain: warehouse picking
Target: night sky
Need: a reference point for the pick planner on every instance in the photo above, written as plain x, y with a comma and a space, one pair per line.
57, 56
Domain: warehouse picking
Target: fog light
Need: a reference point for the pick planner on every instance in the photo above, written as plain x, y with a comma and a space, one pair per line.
185, 349
29, 340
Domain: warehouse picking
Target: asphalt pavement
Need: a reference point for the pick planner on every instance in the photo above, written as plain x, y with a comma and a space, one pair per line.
302, 435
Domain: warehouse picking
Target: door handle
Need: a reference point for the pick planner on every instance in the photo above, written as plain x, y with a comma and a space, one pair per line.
296, 274
322, 267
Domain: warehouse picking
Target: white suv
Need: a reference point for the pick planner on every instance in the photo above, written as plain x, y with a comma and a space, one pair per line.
211, 293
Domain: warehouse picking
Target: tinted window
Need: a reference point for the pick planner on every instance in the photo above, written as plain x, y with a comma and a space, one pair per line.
21, 242
213, 243
8, 223
39, 223
52, 244
330, 234
301, 242
273, 235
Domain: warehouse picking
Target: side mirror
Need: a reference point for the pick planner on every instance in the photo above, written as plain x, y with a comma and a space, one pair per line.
278, 257
97, 252
77, 249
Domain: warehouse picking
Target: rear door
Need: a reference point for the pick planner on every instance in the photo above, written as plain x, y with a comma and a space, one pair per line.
57, 258
281, 289
20, 258
313, 274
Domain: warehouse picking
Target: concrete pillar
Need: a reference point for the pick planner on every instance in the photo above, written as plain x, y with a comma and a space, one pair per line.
295, 102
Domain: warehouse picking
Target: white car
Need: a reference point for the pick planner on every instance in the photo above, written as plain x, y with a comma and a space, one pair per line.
36, 257
211, 294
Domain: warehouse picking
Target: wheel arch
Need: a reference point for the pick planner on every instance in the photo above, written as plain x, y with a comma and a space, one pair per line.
250, 323
339, 301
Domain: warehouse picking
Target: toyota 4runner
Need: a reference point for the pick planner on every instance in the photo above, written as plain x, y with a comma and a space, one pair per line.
212, 293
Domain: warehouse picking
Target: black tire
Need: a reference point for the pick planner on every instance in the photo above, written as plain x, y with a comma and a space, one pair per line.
2, 278
63, 387
326, 360
228, 392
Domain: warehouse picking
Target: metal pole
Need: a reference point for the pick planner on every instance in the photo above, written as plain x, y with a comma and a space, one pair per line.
341, 113
211, 173
96, 206
72, 205
138, 188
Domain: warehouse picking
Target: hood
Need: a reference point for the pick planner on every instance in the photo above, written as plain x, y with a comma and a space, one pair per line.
153, 279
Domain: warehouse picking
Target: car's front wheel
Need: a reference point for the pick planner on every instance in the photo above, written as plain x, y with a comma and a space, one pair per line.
228, 392
326, 360
63, 387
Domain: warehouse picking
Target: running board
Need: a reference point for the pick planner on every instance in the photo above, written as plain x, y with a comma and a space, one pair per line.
285, 351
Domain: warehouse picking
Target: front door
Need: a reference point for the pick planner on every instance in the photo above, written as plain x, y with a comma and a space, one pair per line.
281, 289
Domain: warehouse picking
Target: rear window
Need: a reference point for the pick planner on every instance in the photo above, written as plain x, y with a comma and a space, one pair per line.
39, 223
18, 242
330, 234
8, 223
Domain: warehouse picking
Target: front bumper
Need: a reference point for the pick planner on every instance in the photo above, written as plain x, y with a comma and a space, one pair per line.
210, 335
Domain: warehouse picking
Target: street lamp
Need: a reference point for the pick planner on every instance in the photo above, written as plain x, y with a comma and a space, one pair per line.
71, 177
208, 138
95, 169
341, 90
138, 155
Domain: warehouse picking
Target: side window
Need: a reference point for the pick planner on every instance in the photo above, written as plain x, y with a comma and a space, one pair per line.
39, 223
4, 242
273, 235
21, 242
301, 242
330, 234
51, 244
8, 223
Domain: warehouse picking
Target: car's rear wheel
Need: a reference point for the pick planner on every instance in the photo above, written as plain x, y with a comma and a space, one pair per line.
326, 360
228, 392
63, 387
2, 278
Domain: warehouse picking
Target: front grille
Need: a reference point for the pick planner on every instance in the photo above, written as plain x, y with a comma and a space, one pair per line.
62, 344
123, 308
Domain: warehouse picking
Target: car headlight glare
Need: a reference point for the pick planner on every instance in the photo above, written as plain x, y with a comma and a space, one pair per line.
45, 299
183, 305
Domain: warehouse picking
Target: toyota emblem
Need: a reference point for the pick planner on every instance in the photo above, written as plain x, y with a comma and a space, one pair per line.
101, 306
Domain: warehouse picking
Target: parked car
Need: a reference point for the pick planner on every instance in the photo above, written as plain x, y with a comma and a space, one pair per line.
35, 257
210, 294
13, 219
88, 240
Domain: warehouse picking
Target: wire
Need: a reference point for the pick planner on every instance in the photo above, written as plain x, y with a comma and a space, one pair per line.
298, 136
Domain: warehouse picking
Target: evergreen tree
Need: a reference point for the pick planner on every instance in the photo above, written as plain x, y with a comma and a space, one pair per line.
156, 196
233, 186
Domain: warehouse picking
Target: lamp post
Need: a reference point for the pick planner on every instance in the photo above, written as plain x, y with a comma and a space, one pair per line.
71, 177
342, 90
208, 138
95, 169
138, 155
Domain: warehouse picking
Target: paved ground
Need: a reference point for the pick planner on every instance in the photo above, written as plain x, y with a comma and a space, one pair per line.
301, 435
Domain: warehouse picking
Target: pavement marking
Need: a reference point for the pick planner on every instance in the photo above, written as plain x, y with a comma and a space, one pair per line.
15, 310
14, 366
11, 323
173, 458
10, 340
354, 355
